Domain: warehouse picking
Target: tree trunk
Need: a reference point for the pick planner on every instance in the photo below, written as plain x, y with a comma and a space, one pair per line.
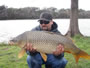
73, 29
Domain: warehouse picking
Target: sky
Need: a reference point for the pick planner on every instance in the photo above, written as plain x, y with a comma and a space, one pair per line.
59, 4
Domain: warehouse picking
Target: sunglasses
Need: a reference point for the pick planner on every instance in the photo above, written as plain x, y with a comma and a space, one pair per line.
44, 22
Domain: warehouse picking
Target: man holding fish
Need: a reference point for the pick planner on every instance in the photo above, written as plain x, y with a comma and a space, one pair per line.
55, 60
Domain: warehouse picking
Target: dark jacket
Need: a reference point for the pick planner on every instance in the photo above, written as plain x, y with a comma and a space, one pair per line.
53, 29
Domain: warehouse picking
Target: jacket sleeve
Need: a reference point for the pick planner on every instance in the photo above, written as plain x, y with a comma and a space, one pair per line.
57, 31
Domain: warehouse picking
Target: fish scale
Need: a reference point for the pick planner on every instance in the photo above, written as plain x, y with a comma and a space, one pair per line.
43, 41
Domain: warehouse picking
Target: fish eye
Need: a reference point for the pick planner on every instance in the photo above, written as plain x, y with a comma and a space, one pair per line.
13, 40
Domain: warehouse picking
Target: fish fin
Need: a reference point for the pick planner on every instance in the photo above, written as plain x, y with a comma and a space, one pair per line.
76, 58
52, 33
49, 32
67, 51
21, 53
70, 39
81, 54
44, 56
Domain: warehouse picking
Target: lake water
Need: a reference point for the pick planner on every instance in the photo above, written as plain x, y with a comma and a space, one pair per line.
12, 28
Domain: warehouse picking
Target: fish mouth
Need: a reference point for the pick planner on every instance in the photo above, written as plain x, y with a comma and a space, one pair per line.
11, 43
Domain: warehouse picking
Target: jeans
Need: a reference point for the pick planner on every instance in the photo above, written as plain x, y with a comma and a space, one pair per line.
52, 62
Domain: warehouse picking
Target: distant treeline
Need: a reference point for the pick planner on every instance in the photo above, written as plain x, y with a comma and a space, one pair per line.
34, 13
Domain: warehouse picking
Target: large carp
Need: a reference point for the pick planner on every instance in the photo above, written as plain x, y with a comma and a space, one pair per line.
46, 42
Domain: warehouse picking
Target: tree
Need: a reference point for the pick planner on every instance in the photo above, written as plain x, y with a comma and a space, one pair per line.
3, 12
73, 29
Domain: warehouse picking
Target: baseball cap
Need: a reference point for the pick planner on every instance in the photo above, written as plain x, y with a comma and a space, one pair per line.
46, 16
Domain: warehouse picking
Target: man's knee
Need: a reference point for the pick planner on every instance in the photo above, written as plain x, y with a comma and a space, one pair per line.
33, 62
63, 62
59, 63
28, 59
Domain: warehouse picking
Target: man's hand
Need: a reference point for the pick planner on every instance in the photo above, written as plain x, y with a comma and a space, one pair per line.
29, 47
59, 50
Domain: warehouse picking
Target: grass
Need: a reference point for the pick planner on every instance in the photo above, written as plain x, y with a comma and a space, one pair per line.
9, 59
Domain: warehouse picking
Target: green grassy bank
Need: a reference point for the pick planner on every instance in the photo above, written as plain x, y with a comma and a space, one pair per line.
9, 59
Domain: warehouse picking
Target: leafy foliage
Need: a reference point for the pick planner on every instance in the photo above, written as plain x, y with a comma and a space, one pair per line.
34, 13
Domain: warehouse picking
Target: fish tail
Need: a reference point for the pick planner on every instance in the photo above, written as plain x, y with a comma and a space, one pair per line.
21, 53
81, 54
